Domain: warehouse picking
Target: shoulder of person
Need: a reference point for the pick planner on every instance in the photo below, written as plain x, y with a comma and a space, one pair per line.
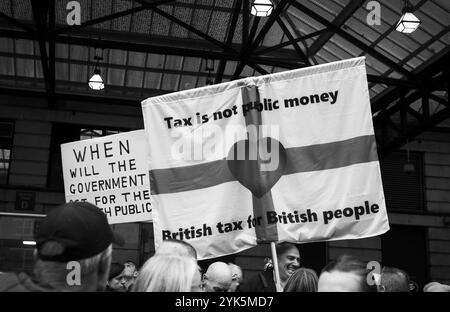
11, 282
263, 281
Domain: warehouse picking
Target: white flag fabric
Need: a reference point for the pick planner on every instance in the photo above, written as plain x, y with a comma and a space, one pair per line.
289, 156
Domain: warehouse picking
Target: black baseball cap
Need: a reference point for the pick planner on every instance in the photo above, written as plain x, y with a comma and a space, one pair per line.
74, 231
115, 270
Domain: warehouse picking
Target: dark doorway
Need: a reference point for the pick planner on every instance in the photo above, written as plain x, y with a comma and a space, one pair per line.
404, 247
313, 255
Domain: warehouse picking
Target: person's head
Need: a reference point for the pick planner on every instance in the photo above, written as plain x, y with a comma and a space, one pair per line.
346, 274
115, 272
176, 247
127, 277
288, 258
130, 269
303, 280
393, 280
78, 233
165, 273
236, 276
436, 287
218, 277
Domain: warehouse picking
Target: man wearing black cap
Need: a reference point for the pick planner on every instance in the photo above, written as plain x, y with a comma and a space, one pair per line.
122, 280
73, 251
115, 273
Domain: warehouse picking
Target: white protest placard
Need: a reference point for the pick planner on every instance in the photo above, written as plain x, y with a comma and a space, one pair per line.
289, 156
110, 172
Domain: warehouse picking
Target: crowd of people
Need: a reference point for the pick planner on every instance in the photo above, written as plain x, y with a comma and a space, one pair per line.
74, 252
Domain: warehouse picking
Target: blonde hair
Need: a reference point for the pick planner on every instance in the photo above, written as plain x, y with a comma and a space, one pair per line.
164, 273
302, 280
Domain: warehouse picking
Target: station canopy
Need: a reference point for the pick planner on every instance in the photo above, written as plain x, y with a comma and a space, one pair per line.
145, 48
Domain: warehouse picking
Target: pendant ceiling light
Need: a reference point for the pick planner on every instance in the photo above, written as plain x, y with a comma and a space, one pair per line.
96, 81
261, 8
408, 22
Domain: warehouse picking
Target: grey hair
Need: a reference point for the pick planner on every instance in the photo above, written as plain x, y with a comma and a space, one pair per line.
55, 273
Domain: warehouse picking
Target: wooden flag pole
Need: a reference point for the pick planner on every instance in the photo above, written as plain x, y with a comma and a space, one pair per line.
275, 266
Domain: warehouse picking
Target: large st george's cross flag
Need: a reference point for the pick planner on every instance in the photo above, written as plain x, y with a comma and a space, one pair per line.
289, 156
